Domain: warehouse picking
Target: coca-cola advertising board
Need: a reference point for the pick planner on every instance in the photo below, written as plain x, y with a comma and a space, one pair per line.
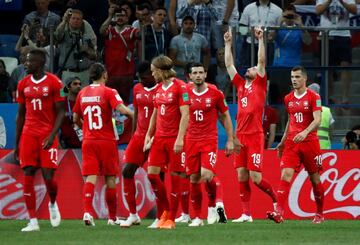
341, 179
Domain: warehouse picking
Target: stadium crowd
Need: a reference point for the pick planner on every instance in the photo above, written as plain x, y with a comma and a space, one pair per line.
175, 64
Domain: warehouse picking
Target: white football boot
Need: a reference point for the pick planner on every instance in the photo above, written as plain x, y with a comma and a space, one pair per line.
243, 219
154, 224
184, 218
55, 217
133, 219
88, 220
196, 222
213, 216
33, 225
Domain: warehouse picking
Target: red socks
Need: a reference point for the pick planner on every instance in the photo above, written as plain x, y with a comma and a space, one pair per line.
52, 188
219, 189
111, 201
319, 197
282, 195
129, 192
160, 193
266, 187
210, 187
88, 195
29, 195
174, 195
245, 193
185, 189
196, 198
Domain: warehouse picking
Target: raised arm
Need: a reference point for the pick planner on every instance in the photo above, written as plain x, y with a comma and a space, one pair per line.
259, 34
229, 60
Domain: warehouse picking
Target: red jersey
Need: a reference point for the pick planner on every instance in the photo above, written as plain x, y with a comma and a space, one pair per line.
300, 109
116, 51
144, 102
167, 102
251, 101
39, 97
203, 110
95, 104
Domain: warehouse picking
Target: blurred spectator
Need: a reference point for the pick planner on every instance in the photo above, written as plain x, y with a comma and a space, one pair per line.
143, 14
70, 134
217, 73
130, 10
4, 83
288, 43
336, 13
203, 13
227, 14
157, 37
260, 13
188, 47
41, 18
41, 41
77, 46
2, 133
174, 20
327, 120
120, 43
270, 120
351, 141
19, 72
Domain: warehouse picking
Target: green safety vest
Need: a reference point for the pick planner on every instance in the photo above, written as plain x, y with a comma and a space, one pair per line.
324, 128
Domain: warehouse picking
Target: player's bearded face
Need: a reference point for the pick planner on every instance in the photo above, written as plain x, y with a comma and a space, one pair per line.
198, 75
251, 73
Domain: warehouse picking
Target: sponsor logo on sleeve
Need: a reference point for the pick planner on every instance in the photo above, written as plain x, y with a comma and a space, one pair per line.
318, 103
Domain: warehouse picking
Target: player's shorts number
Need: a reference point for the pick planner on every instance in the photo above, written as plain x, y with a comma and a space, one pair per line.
94, 112
256, 158
53, 155
318, 160
146, 109
183, 159
212, 159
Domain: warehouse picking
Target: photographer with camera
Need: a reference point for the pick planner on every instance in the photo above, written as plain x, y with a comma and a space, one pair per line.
77, 45
41, 18
120, 42
352, 139
288, 42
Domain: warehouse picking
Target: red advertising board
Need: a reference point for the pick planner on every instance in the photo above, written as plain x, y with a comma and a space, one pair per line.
341, 179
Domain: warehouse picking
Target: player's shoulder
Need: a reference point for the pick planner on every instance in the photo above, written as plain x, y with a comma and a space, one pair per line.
25, 80
312, 93
138, 86
53, 78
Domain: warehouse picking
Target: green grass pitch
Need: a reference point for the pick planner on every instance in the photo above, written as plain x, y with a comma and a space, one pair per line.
259, 232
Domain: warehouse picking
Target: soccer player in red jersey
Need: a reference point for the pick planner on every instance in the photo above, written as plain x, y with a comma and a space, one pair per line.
144, 94
40, 114
94, 105
206, 104
170, 119
249, 132
300, 143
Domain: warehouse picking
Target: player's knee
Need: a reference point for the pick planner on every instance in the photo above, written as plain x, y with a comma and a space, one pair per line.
48, 174
255, 177
286, 175
195, 178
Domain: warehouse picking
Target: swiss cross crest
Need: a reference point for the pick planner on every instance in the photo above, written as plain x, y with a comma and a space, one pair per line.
27, 90
45, 89
291, 104
170, 95
138, 96
208, 100
306, 103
